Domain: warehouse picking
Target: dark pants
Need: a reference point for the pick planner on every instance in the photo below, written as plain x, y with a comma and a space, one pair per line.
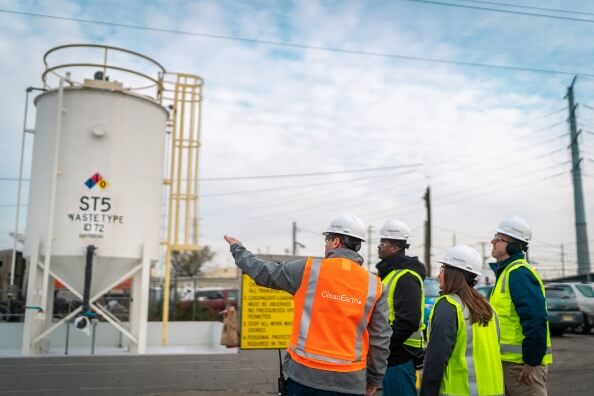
296, 389
400, 380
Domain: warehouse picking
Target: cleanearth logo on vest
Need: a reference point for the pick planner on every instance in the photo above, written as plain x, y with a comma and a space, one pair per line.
341, 297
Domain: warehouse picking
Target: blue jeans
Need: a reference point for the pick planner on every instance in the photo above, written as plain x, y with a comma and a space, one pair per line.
400, 380
297, 389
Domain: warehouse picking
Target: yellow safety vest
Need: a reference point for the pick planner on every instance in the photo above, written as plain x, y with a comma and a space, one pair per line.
390, 282
512, 335
474, 368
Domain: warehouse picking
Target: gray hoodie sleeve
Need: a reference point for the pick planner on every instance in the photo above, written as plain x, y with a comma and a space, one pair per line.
442, 340
379, 342
285, 276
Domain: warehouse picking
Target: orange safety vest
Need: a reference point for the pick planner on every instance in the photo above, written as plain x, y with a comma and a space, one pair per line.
333, 306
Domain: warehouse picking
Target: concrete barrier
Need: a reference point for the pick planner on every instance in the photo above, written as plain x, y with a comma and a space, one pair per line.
191, 337
161, 370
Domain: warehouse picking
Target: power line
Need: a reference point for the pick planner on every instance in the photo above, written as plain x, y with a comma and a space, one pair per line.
503, 180
310, 201
529, 7
550, 113
268, 205
474, 194
294, 187
513, 149
351, 202
486, 144
12, 179
288, 175
533, 14
303, 46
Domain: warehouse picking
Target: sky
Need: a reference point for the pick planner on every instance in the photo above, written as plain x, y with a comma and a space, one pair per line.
384, 97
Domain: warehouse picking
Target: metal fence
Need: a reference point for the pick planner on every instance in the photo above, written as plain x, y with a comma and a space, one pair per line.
12, 305
186, 307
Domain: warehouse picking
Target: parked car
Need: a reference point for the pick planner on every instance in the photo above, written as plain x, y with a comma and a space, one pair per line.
64, 302
562, 309
584, 294
431, 295
217, 299
485, 290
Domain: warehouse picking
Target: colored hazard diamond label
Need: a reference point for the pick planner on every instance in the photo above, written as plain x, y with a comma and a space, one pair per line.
94, 180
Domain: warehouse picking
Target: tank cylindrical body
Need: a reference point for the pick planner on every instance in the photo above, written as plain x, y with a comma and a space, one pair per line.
109, 184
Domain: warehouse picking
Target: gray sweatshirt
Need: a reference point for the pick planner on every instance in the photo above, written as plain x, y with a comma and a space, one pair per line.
288, 276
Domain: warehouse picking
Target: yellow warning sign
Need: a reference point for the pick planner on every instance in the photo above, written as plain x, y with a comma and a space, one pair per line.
266, 316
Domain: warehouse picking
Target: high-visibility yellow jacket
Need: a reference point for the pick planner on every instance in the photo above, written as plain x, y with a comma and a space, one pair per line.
512, 335
390, 284
474, 368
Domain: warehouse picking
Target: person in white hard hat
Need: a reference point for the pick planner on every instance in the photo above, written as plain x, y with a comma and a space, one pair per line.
519, 299
402, 277
462, 356
340, 338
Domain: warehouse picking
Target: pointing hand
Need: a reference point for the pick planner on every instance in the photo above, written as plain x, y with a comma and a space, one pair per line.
230, 240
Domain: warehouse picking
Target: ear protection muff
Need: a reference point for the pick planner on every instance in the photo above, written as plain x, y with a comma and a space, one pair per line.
471, 279
513, 248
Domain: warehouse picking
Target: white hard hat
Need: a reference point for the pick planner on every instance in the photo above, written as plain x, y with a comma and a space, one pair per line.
347, 225
515, 227
395, 229
463, 257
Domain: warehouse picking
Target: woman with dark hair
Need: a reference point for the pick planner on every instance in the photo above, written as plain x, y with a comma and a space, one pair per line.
462, 356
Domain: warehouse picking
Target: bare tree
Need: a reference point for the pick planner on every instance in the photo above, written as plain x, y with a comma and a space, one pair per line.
190, 263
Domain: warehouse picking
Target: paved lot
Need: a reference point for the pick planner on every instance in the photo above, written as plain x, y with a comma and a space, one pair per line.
572, 372
573, 365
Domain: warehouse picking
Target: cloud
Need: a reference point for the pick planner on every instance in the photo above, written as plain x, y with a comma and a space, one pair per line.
279, 110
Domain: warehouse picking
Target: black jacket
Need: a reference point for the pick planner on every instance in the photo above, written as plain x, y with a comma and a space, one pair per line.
407, 301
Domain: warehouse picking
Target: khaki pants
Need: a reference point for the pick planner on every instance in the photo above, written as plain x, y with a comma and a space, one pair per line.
511, 373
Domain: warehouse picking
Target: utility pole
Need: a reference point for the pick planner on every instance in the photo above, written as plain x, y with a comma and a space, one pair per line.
581, 230
483, 252
484, 255
427, 198
453, 240
369, 248
295, 243
562, 261
294, 235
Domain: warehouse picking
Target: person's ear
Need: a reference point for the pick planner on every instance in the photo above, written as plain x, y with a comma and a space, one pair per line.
336, 243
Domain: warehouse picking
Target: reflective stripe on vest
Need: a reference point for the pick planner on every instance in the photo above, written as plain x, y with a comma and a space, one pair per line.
333, 306
474, 367
390, 283
512, 336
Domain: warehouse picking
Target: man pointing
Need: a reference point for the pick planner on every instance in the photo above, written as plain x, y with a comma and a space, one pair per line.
340, 339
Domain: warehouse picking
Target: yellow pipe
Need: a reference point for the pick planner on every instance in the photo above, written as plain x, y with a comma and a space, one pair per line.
165, 310
179, 142
166, 293
198, 136
182, 145
187, 138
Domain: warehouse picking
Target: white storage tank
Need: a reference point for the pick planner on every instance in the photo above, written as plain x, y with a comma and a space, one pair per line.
109, 186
